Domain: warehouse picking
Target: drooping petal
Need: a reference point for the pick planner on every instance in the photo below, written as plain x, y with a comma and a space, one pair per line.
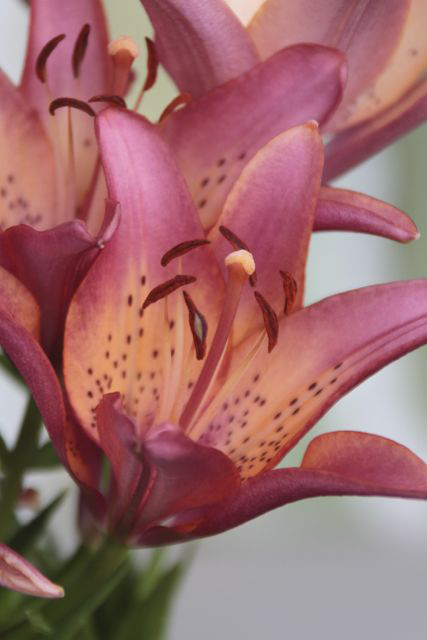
201, 45
136, 351
187, 475
323, 351
18, 337
368, 31
335, 464
51, 264
117, 434
27, 190
215, 136
353, 146
271, 208
50, 18
344, 210
19, 575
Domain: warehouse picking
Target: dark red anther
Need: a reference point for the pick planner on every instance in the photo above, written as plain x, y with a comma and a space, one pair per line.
181, 249
182, 99
237, 243
271, 322
198, 326
80, 49
116, 101
164, 289
152, 64
290, 289
71, 102
44, 55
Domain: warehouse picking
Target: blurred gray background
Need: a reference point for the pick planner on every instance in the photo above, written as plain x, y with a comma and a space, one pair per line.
330, 568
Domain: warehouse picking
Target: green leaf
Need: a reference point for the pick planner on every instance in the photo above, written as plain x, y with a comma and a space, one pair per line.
26, 537
149, 619
38, 623
45, 458
4, 453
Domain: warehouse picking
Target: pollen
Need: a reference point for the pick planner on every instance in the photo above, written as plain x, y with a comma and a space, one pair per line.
243, 258
123, 45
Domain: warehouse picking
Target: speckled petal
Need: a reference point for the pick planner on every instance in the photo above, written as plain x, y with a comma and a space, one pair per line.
138, 352
271, 208
215, 136
323, 351
50, 18
353, 146
27, 190
202, 45
335, 464
368, 31
19, 575
344, 210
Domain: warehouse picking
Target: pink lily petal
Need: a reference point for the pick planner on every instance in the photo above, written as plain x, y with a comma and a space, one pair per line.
368, 31
51, 264
19, 575
215, 136
335, 464
201, 47
313, 365
188, 475
19, 303
17, 327
134, 350
361, 141
271, 208
50, 18
343, 210
27, 191
405, 67
117, 434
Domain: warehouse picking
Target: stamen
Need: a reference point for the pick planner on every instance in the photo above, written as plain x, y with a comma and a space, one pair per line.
117, 101
44, 55
167, 288
240, 265
123, 51
198, 326
70, 102
80, 49
181, 100
237, 243
271, 322
181, 249
290, 289
152, 65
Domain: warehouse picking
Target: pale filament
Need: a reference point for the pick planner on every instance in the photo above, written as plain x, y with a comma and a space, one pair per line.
240, 265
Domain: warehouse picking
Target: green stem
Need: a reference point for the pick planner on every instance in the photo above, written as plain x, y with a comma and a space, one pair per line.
19, 459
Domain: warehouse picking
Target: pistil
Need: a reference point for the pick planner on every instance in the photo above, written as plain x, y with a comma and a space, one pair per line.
241, 266
123, 52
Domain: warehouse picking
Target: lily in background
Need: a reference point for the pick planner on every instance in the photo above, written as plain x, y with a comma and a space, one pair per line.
51, 217
192, 384
384, 44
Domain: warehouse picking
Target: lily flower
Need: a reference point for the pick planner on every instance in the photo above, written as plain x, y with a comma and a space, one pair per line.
192, 383
52, 188
52, 221
384, 44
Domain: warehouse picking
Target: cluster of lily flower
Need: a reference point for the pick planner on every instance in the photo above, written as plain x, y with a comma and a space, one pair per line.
152, 275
